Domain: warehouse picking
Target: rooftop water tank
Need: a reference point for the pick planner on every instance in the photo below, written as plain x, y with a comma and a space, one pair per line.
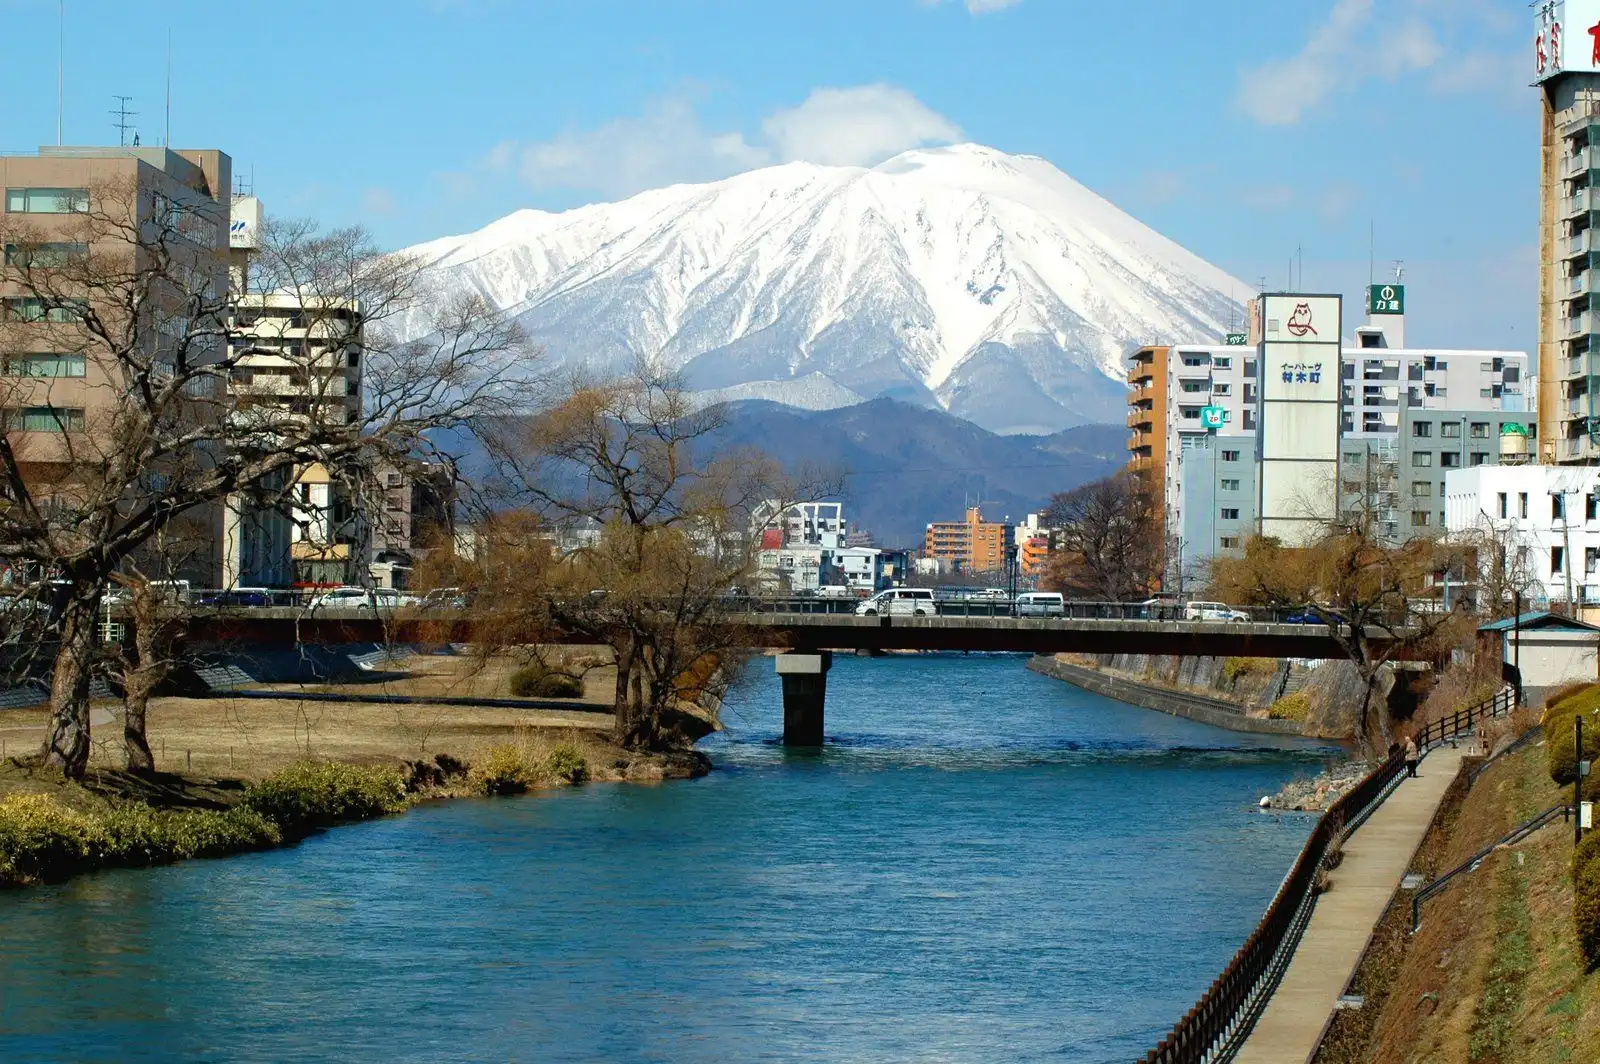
1513, 444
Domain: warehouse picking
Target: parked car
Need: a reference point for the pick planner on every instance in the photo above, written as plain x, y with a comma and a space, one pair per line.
989, 593
173, 591
373, 598
1041, 604
1213, 611
835, 591
445, 598
1160, 608
236, 598
899, 602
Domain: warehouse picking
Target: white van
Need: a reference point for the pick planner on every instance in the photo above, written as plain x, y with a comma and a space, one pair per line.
1213, 611
1041, 604
835, 591
900, 602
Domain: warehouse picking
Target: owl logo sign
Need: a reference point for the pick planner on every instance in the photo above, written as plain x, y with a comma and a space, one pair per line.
1299, 323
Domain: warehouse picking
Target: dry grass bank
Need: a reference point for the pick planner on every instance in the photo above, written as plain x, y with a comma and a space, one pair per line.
1495, 974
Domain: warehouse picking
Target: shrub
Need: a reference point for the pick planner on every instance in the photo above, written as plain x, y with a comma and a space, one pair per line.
42, 839
319, 793
1294, 706
1586, 898
1572, 697
566, 763
503, 771
138, 835
1561, 742
538, 681
1234, 668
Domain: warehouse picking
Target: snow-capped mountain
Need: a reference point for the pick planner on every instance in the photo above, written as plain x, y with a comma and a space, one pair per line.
991, 285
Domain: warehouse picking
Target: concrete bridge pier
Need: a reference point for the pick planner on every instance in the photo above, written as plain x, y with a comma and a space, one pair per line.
805, 687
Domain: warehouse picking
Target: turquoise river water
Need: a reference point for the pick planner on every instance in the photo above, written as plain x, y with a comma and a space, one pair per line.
984, 865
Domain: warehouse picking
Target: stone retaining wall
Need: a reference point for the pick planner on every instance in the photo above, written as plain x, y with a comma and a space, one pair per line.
1212, 711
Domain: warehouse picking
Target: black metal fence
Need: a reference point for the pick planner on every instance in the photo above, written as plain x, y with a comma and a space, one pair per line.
1213, 1030
1219, 1021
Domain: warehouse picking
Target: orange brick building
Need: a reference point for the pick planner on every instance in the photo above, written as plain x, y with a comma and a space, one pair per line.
970, 546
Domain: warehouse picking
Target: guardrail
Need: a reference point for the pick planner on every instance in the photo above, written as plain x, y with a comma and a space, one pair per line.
1463, 721
1510, 838
1219, 1022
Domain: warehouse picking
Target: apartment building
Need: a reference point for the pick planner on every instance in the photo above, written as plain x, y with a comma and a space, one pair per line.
53, 203
972, 545
1194, 421
1568, 76
1547, 519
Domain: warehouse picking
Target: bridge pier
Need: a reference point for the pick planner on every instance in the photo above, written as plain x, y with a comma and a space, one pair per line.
805, 687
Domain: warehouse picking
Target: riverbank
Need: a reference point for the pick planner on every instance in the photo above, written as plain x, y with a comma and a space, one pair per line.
217, 757
1495, 973
1203, 709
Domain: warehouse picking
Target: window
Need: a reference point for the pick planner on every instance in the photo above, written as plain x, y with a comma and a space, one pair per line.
1230, 485
1419, 518
1230, 542
1249, 419
1352, 458
1222, 362
1558, 506
1441, 365
1189, 413
1591, 506
44, 366
1348, 371
1484, 393
1421, 460
23, 308
1480, 430
1191, 359
1558, 559
1230, 456
1222, 389
1591, 559
1369, 340
1449, 460
1450, 430
1487, 367
1195, 386
1422, 429
1421, 489
47, 200
44, 256
1478, 458
1230, 514
1513, 375
1522, 504
44, 419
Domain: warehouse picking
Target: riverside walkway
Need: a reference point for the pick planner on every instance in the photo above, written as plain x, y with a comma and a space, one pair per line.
1375, 859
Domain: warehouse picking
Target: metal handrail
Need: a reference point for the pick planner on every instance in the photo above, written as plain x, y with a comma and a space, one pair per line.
1510, 838
1222, 1018
1535, 732
1463, 721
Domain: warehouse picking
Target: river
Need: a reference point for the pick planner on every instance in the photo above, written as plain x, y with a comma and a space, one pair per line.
984, 865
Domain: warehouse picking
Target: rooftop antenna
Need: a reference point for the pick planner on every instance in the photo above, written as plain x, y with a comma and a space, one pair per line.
122, 114
1399, 270
61, 49
166, 140
1372, 252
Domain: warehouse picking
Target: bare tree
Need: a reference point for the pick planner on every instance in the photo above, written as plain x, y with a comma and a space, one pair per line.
1108, 540
647, 530
1376, 601
144, 415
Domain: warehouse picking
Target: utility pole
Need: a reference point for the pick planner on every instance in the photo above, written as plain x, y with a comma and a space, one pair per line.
1516, 642
1577, 783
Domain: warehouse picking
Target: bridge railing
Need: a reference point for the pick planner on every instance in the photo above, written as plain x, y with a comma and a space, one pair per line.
1223, 1016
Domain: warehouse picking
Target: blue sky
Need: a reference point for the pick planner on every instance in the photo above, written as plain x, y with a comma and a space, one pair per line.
1242, 129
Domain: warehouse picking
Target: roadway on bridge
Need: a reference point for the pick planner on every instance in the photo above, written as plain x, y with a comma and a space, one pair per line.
1375, 860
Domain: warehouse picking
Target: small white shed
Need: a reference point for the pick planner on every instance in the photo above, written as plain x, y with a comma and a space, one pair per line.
1548, 650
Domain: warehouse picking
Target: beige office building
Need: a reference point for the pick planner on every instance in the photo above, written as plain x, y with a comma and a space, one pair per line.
54, 385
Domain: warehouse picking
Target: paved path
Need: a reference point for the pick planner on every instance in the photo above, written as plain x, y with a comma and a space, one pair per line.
1375, 859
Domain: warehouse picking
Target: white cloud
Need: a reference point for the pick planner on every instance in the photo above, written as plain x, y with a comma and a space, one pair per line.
1360, 41
668, 143
378, 200
858, 126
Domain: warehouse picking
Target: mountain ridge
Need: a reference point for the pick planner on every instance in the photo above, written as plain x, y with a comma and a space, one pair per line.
988, 285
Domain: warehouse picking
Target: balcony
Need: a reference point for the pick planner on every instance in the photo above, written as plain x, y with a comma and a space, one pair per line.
1578, 406
1579, 285
1580, 203
1577, 325
1581, 243
1578, 162
1141, 417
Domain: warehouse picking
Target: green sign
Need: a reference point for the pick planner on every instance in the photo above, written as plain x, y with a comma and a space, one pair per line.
1212, 417
1386, 299
1236, 339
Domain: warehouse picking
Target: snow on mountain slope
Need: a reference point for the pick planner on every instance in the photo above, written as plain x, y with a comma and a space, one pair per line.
990, 285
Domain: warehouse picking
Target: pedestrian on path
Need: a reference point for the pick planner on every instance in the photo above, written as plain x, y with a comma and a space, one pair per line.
1412, 757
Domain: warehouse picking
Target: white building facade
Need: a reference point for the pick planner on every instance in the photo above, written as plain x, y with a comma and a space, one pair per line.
1546, 517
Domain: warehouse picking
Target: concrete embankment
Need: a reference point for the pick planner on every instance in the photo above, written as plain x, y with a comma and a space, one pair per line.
1212, 711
